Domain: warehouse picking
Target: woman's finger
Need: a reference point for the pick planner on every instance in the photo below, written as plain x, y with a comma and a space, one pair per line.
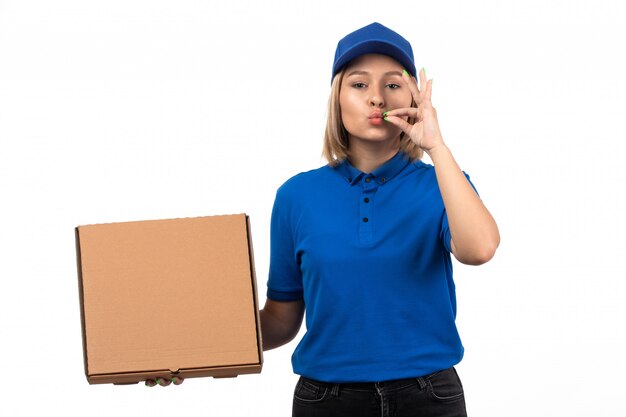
430, 89
164, 382
411, 83
400, 122
404, 111
427, 86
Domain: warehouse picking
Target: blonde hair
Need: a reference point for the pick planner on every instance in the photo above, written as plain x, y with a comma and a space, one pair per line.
336, 136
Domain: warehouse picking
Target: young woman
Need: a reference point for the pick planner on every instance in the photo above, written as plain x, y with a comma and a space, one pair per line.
365, 242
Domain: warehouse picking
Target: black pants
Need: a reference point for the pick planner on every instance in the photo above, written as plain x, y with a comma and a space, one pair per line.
439, 394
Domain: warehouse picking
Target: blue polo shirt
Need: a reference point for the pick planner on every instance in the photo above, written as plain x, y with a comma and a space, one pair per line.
370, 256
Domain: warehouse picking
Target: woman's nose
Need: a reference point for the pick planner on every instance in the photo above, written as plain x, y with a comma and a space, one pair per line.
377, 98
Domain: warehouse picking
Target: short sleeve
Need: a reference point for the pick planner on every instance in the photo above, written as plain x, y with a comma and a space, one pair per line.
285, 278
444, 234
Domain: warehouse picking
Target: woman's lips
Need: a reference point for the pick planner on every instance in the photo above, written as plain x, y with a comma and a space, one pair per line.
376, 118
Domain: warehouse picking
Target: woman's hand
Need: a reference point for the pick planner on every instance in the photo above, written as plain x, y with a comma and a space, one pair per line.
164, 382
425, 131
474, 233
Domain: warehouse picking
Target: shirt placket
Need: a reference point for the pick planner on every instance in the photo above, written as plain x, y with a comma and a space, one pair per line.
366, 221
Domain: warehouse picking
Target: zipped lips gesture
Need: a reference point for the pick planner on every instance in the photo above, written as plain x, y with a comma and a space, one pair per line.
425, 131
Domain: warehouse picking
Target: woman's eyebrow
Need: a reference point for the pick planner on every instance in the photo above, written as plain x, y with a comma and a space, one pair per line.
359, 72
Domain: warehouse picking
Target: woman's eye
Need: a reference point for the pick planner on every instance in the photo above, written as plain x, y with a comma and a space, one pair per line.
393, 86
359, 85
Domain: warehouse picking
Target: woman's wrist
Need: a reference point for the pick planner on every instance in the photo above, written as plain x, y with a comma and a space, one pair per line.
436, 151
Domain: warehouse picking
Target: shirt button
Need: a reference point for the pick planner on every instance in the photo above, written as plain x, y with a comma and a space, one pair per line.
365, 220
367, 200
382, 180
368, 179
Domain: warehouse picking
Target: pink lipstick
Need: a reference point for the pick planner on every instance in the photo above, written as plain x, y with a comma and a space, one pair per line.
376, 118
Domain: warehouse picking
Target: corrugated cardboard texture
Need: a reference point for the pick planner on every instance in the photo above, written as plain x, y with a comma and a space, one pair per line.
168, 295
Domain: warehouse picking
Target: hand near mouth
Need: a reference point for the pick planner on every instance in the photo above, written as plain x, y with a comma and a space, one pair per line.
425, 131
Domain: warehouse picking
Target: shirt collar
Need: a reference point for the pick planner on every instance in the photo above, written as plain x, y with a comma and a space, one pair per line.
381, 175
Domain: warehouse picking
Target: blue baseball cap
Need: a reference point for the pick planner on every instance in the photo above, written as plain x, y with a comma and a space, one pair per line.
374, 39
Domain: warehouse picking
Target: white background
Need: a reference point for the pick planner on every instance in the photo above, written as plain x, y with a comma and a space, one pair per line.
127, 110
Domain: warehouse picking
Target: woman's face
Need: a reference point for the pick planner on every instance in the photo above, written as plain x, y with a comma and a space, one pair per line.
372, 84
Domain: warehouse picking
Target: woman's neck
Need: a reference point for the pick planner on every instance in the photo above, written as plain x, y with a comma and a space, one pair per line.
368, 156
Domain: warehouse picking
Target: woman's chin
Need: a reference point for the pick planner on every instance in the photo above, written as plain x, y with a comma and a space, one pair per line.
375, 139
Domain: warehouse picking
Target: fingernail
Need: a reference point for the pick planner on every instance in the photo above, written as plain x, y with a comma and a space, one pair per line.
385, 118
405, 72
174, 379
385, 113
424, 69
158, 381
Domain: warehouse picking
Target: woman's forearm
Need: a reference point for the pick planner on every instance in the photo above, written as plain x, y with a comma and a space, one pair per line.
280, 322
474, 232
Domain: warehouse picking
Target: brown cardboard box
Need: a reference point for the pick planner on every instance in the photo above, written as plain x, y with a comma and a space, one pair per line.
168, 297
